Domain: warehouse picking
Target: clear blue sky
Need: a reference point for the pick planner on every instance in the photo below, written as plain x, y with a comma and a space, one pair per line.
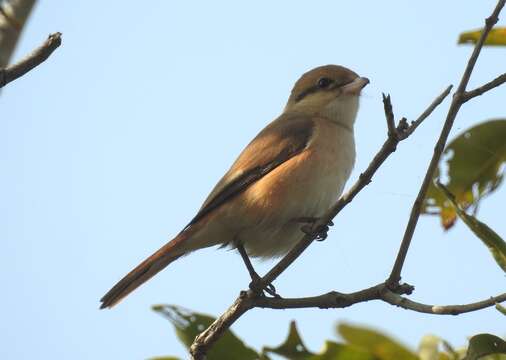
109, 148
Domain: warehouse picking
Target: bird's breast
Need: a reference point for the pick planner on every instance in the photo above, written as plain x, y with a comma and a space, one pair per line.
306, 185
324, 170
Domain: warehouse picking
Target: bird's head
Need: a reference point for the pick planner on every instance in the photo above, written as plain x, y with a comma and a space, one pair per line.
331, 91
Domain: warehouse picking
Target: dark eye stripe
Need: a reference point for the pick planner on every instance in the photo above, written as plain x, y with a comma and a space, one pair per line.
306, 92
317, 87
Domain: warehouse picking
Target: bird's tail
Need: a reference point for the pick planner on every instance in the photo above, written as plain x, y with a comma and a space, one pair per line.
145, 270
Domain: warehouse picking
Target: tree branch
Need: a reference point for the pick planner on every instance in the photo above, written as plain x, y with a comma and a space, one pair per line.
37, 57
427, 112
336, 300
332, 300
397, 300
209, 336
458, 100
468, 95
389, 115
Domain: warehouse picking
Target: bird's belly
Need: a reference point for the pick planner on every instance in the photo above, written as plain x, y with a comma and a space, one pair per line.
305, 186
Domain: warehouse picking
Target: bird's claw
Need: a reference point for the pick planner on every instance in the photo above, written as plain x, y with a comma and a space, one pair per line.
256, 286
321, 232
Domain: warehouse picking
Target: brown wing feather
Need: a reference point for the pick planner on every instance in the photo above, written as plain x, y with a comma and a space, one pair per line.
279, 141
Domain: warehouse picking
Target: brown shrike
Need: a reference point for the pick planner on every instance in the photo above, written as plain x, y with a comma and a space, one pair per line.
291, 172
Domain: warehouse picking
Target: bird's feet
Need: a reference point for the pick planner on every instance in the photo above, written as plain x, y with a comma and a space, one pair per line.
321, 232
256, 286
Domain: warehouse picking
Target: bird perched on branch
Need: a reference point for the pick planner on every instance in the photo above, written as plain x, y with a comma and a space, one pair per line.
291, 173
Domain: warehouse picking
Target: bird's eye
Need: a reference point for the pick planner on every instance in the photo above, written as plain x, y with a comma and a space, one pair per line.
324, 82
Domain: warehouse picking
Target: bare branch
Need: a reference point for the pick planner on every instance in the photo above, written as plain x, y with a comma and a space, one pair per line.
336, 300
458, 100
389, 115
427, 112
37, 57
210, 335
468, 95
397, 300
332, 300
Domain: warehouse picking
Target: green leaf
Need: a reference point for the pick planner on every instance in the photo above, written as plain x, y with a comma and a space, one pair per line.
500, 308
474, 170
485, 344
496, 36
381, 346
490, 238
189, 324
293, 348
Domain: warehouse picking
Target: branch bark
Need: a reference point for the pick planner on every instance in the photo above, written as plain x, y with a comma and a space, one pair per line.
248, 300
459, 98
336, 300
37, 57
397, 300
468, 95
209, 336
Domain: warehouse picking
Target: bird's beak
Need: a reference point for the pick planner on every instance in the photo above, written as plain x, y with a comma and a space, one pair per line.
356, 86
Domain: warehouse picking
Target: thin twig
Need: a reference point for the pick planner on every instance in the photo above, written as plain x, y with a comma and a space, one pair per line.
427, 112
336, 300
468, 95
389, 114
397, 300
244, 302
458, 100
37, 57
330, 300
209, 336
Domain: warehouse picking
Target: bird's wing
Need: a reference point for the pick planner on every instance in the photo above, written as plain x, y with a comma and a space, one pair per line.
282, 139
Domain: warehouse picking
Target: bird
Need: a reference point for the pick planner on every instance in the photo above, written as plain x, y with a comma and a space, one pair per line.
290, 174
